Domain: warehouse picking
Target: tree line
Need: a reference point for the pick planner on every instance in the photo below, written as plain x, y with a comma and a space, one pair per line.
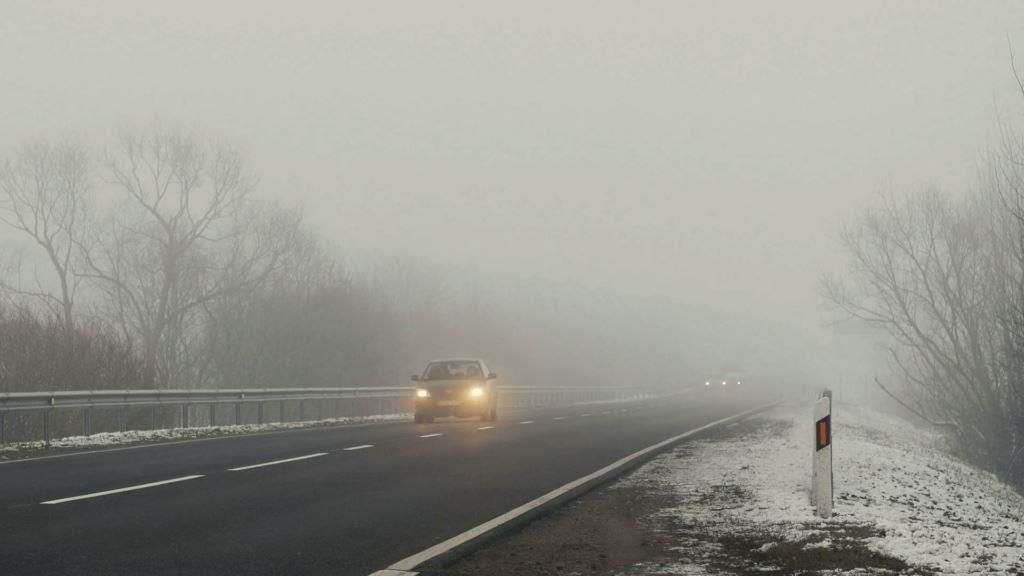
153, 262
944, 276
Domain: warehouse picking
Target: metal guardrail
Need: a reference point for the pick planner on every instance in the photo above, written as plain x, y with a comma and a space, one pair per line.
116, 398
87, 400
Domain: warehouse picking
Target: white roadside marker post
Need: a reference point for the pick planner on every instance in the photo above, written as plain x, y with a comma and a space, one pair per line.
821, 480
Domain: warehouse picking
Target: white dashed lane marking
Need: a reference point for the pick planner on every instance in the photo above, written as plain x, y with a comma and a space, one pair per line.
559, 417
584, 415
360, 447
486, 428
431, 435
119, 490
527, 422
276, 462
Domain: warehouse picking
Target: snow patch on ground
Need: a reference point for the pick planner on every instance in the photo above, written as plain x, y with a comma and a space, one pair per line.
935, 510
901, 500
105, 439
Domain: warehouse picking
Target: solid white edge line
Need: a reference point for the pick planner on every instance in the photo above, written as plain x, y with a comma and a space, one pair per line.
415, 560
119, 490
360, 447
275, 462
432, 435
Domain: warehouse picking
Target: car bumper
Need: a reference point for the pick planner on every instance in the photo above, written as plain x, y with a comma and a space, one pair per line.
457, 408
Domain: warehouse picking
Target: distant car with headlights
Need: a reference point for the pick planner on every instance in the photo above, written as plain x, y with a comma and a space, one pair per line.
721, 380
460, 387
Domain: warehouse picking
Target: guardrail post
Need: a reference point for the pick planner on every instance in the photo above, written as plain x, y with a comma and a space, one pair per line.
3, 435
184, 415
280, 411
87, 418
152, 417
319, 409
302, 410
238, 413
259, 413
124, 418
213, 414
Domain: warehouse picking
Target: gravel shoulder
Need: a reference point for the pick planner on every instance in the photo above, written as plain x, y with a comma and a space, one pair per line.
599, 533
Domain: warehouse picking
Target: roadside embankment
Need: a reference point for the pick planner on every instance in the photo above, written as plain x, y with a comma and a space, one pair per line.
736, 502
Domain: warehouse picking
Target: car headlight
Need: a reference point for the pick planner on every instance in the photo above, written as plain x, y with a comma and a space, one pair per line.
707, 383
422, 393
476, 392
723, 382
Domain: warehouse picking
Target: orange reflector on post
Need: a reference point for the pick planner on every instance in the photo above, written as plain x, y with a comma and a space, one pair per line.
824, 435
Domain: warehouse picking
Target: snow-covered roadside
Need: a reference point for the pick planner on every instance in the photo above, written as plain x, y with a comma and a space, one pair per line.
149, 436
900, 498
935, 510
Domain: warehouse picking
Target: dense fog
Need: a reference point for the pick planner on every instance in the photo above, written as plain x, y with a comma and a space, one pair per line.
577, 193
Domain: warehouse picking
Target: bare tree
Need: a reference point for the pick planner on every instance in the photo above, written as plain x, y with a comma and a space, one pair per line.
43, 190
267, 246
184, 232
933, 272
1005, 187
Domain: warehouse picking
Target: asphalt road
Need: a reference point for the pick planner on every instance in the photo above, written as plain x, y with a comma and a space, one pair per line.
234, 508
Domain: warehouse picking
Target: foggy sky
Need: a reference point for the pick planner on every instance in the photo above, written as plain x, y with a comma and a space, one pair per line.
700, 153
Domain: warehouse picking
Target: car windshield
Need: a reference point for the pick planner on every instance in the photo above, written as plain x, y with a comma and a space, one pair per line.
453, 370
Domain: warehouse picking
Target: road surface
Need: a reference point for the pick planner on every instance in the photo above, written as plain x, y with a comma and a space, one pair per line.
339, 501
